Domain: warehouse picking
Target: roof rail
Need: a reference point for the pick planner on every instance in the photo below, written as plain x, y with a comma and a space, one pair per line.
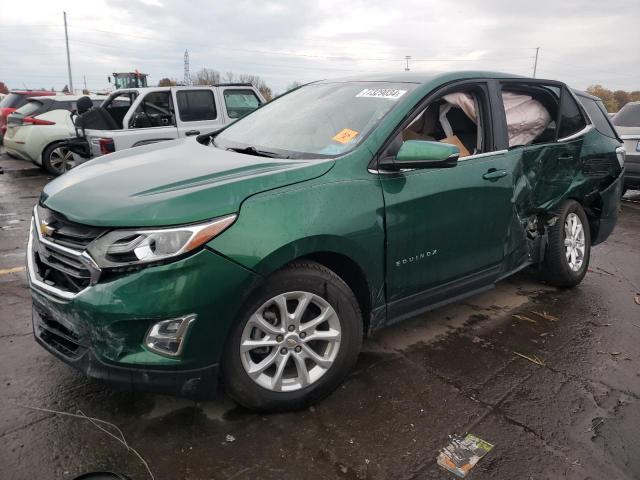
234, 84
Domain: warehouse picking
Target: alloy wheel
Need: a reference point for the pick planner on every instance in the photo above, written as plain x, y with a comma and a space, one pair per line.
290, 342
61, 160
574, 241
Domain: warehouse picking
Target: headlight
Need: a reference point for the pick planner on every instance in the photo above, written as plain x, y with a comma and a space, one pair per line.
121, 248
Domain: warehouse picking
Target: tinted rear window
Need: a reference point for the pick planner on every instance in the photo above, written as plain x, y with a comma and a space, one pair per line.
628, 116
33, 107
13, 100
196, 105
597, 113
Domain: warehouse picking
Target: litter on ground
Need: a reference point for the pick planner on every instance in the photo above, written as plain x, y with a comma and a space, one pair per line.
462, 454
533, 358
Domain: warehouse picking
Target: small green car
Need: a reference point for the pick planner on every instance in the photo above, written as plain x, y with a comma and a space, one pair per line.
264, 253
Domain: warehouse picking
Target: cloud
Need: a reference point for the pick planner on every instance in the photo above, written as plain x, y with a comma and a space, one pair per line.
581, 42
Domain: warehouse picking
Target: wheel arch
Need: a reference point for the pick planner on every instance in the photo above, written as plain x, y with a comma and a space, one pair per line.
50, 144
340, 256
352, 274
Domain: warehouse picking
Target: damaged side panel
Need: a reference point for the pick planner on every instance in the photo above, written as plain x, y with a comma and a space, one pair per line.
544, 176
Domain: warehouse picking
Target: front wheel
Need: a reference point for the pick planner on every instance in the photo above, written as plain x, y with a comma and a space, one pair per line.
297, 340
57, 159
569, 247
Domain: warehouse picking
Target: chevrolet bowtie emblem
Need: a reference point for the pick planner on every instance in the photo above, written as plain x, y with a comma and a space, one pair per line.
45, 229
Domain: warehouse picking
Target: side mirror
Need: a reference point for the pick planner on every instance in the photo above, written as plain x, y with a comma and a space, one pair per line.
423, 154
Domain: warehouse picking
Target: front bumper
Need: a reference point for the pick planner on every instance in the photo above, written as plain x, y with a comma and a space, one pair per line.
198, 384
100, 330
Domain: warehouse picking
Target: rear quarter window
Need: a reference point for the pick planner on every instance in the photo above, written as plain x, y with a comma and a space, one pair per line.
196, 105
596, 111
571, 119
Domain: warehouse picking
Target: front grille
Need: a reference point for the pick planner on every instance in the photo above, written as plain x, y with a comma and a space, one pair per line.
57, 258
66, 233
53, 333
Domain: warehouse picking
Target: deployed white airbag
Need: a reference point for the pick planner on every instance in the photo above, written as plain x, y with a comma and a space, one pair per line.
526, 118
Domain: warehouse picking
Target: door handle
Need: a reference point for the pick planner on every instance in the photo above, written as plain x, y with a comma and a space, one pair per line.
564, 158
494, 174
188, 133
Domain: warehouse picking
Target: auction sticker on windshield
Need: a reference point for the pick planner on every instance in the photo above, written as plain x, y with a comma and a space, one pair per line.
390, 93
345, 135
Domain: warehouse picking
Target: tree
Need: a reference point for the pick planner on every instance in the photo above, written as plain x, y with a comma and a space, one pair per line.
167, 82
206, 76
3, 88
258, 83
293, 85
621, 97
605, 95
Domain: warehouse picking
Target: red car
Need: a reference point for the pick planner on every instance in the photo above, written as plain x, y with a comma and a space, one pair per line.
14, 101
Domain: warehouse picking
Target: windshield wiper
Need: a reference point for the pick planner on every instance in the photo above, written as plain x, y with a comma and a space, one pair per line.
251, 150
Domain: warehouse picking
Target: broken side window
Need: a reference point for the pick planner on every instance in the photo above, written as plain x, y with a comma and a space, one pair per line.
531, 112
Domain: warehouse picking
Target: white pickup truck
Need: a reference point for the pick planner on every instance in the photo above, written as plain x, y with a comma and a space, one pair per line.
138, 116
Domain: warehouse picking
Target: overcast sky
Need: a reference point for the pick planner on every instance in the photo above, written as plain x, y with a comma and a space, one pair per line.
582, 42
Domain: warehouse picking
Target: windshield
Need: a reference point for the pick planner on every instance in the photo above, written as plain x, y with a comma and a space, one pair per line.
317, 120
628, 116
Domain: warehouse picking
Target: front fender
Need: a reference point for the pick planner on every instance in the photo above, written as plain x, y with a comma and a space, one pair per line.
277, 227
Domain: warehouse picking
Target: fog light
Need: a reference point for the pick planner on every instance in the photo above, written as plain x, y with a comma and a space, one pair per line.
167, 337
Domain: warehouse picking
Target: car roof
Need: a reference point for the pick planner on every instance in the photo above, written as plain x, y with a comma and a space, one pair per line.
420, 77
33, 93
180, 87
68, 98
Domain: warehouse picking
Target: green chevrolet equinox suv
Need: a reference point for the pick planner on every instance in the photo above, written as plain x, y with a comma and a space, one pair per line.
260, 255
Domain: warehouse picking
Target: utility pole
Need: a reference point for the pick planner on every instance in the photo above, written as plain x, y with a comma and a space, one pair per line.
85, 82
66, 39
407, 58
187, 75
535, 64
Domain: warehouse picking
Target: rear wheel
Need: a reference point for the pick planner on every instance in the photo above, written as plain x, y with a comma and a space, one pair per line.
568, 251
298, 338
56, 159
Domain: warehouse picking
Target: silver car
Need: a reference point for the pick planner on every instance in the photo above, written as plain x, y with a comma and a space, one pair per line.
627, 122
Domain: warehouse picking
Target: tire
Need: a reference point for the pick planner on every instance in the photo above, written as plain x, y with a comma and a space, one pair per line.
56, 159
559, 267
299, 284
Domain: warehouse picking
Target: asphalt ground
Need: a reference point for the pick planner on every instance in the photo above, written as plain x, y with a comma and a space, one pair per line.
574, 414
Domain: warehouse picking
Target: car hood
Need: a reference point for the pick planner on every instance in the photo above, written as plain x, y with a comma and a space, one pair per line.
169, 183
